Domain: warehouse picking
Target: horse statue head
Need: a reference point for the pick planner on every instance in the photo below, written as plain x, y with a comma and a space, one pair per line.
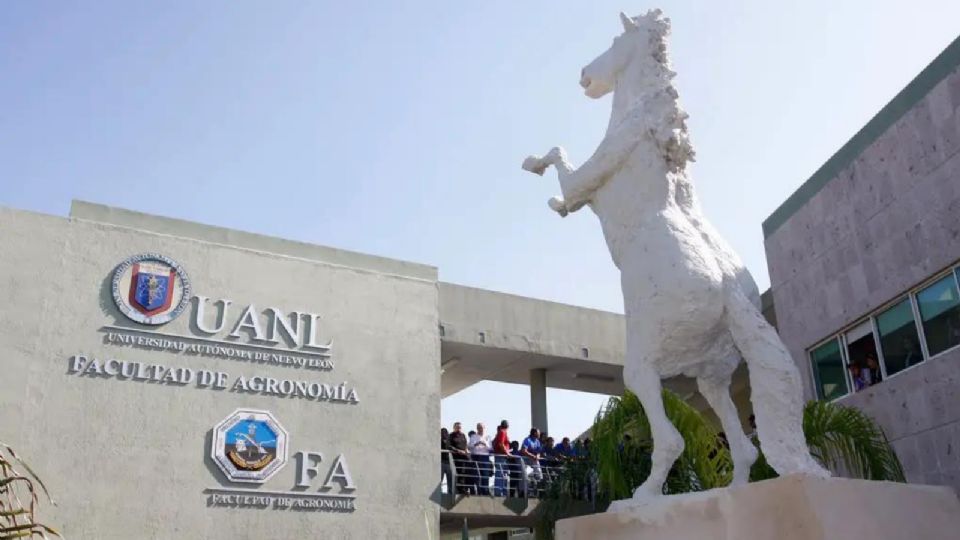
643, 44
636, 68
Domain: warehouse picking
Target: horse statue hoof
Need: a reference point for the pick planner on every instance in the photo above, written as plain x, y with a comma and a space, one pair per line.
557, 205
535, 164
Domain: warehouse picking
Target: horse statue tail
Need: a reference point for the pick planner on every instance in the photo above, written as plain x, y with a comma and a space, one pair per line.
775, 385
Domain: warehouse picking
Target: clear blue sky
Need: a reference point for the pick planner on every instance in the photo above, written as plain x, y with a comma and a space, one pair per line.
398, 128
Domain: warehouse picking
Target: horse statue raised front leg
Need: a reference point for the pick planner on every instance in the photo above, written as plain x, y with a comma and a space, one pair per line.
538, 165
691, 308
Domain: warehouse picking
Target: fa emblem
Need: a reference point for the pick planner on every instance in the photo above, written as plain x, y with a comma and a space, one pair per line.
150, 288
249, 446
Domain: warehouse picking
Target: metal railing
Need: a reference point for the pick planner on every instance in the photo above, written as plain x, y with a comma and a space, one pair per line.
499, 475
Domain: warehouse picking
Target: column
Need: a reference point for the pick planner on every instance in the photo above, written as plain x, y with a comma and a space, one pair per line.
538, 399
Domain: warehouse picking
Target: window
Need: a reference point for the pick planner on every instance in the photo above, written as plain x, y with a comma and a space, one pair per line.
829, 377
899, 341
939, 306
923, 323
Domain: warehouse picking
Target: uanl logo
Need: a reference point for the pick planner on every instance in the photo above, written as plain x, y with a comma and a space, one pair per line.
150, 288
249, 446
153, 289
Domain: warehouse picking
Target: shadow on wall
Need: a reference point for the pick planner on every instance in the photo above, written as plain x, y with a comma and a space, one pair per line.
212, 467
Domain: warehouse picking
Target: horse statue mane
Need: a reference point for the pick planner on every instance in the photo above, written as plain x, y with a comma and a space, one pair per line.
691, 307
669, 123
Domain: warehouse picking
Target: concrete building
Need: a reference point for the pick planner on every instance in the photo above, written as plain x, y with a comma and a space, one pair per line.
863, 260
127, 422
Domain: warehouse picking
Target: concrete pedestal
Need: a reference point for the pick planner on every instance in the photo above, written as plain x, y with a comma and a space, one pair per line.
789, 508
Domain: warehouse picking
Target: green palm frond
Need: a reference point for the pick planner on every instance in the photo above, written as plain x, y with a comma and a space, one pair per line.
619, 418
624, 463
706, 461
849, 442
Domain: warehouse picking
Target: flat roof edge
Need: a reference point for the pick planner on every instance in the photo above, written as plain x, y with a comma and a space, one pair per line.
231, 237
921, 85
453, 286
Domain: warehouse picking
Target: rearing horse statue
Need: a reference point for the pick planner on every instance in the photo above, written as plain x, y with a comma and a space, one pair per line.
691, 307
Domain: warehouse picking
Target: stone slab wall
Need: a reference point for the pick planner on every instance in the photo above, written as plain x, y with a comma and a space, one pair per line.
919, 410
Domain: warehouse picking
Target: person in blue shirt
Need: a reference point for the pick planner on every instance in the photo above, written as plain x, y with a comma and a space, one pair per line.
564, 450
531, 446
531, 449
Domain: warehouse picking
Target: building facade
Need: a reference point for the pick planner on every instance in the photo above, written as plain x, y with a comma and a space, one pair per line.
864, 264
179, 381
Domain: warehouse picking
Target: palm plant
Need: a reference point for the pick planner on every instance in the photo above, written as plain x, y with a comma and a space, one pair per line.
846, 440
842, 438
18, 499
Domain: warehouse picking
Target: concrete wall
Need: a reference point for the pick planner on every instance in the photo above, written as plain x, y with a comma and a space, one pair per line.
130, 459
884, 219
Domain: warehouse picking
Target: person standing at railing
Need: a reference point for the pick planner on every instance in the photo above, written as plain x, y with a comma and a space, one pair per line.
543, 442
548, 460
517, 470
564, 450
466, 471
547, 447
501, 451
480, 449
548, 454
531, 449
581, 452
445, 469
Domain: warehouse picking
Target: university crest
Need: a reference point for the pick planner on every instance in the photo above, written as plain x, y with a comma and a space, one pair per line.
150, 288
249, 446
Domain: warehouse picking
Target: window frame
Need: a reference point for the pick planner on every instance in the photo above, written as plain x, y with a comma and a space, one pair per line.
871, 320
917, 325
845, 345
817, 387
913, 294
877, 347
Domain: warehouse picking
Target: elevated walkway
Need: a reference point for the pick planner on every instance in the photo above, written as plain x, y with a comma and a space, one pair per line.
494, 336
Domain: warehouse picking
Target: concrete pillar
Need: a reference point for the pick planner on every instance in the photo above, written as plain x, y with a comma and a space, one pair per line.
538, 399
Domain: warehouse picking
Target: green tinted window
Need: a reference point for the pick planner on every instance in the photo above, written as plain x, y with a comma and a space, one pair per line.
940, 313
898, 337
828, 370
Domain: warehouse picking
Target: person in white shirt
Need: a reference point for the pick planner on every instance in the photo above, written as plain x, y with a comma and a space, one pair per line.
479, 446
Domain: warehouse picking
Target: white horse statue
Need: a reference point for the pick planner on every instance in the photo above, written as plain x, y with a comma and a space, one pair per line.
691, 307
